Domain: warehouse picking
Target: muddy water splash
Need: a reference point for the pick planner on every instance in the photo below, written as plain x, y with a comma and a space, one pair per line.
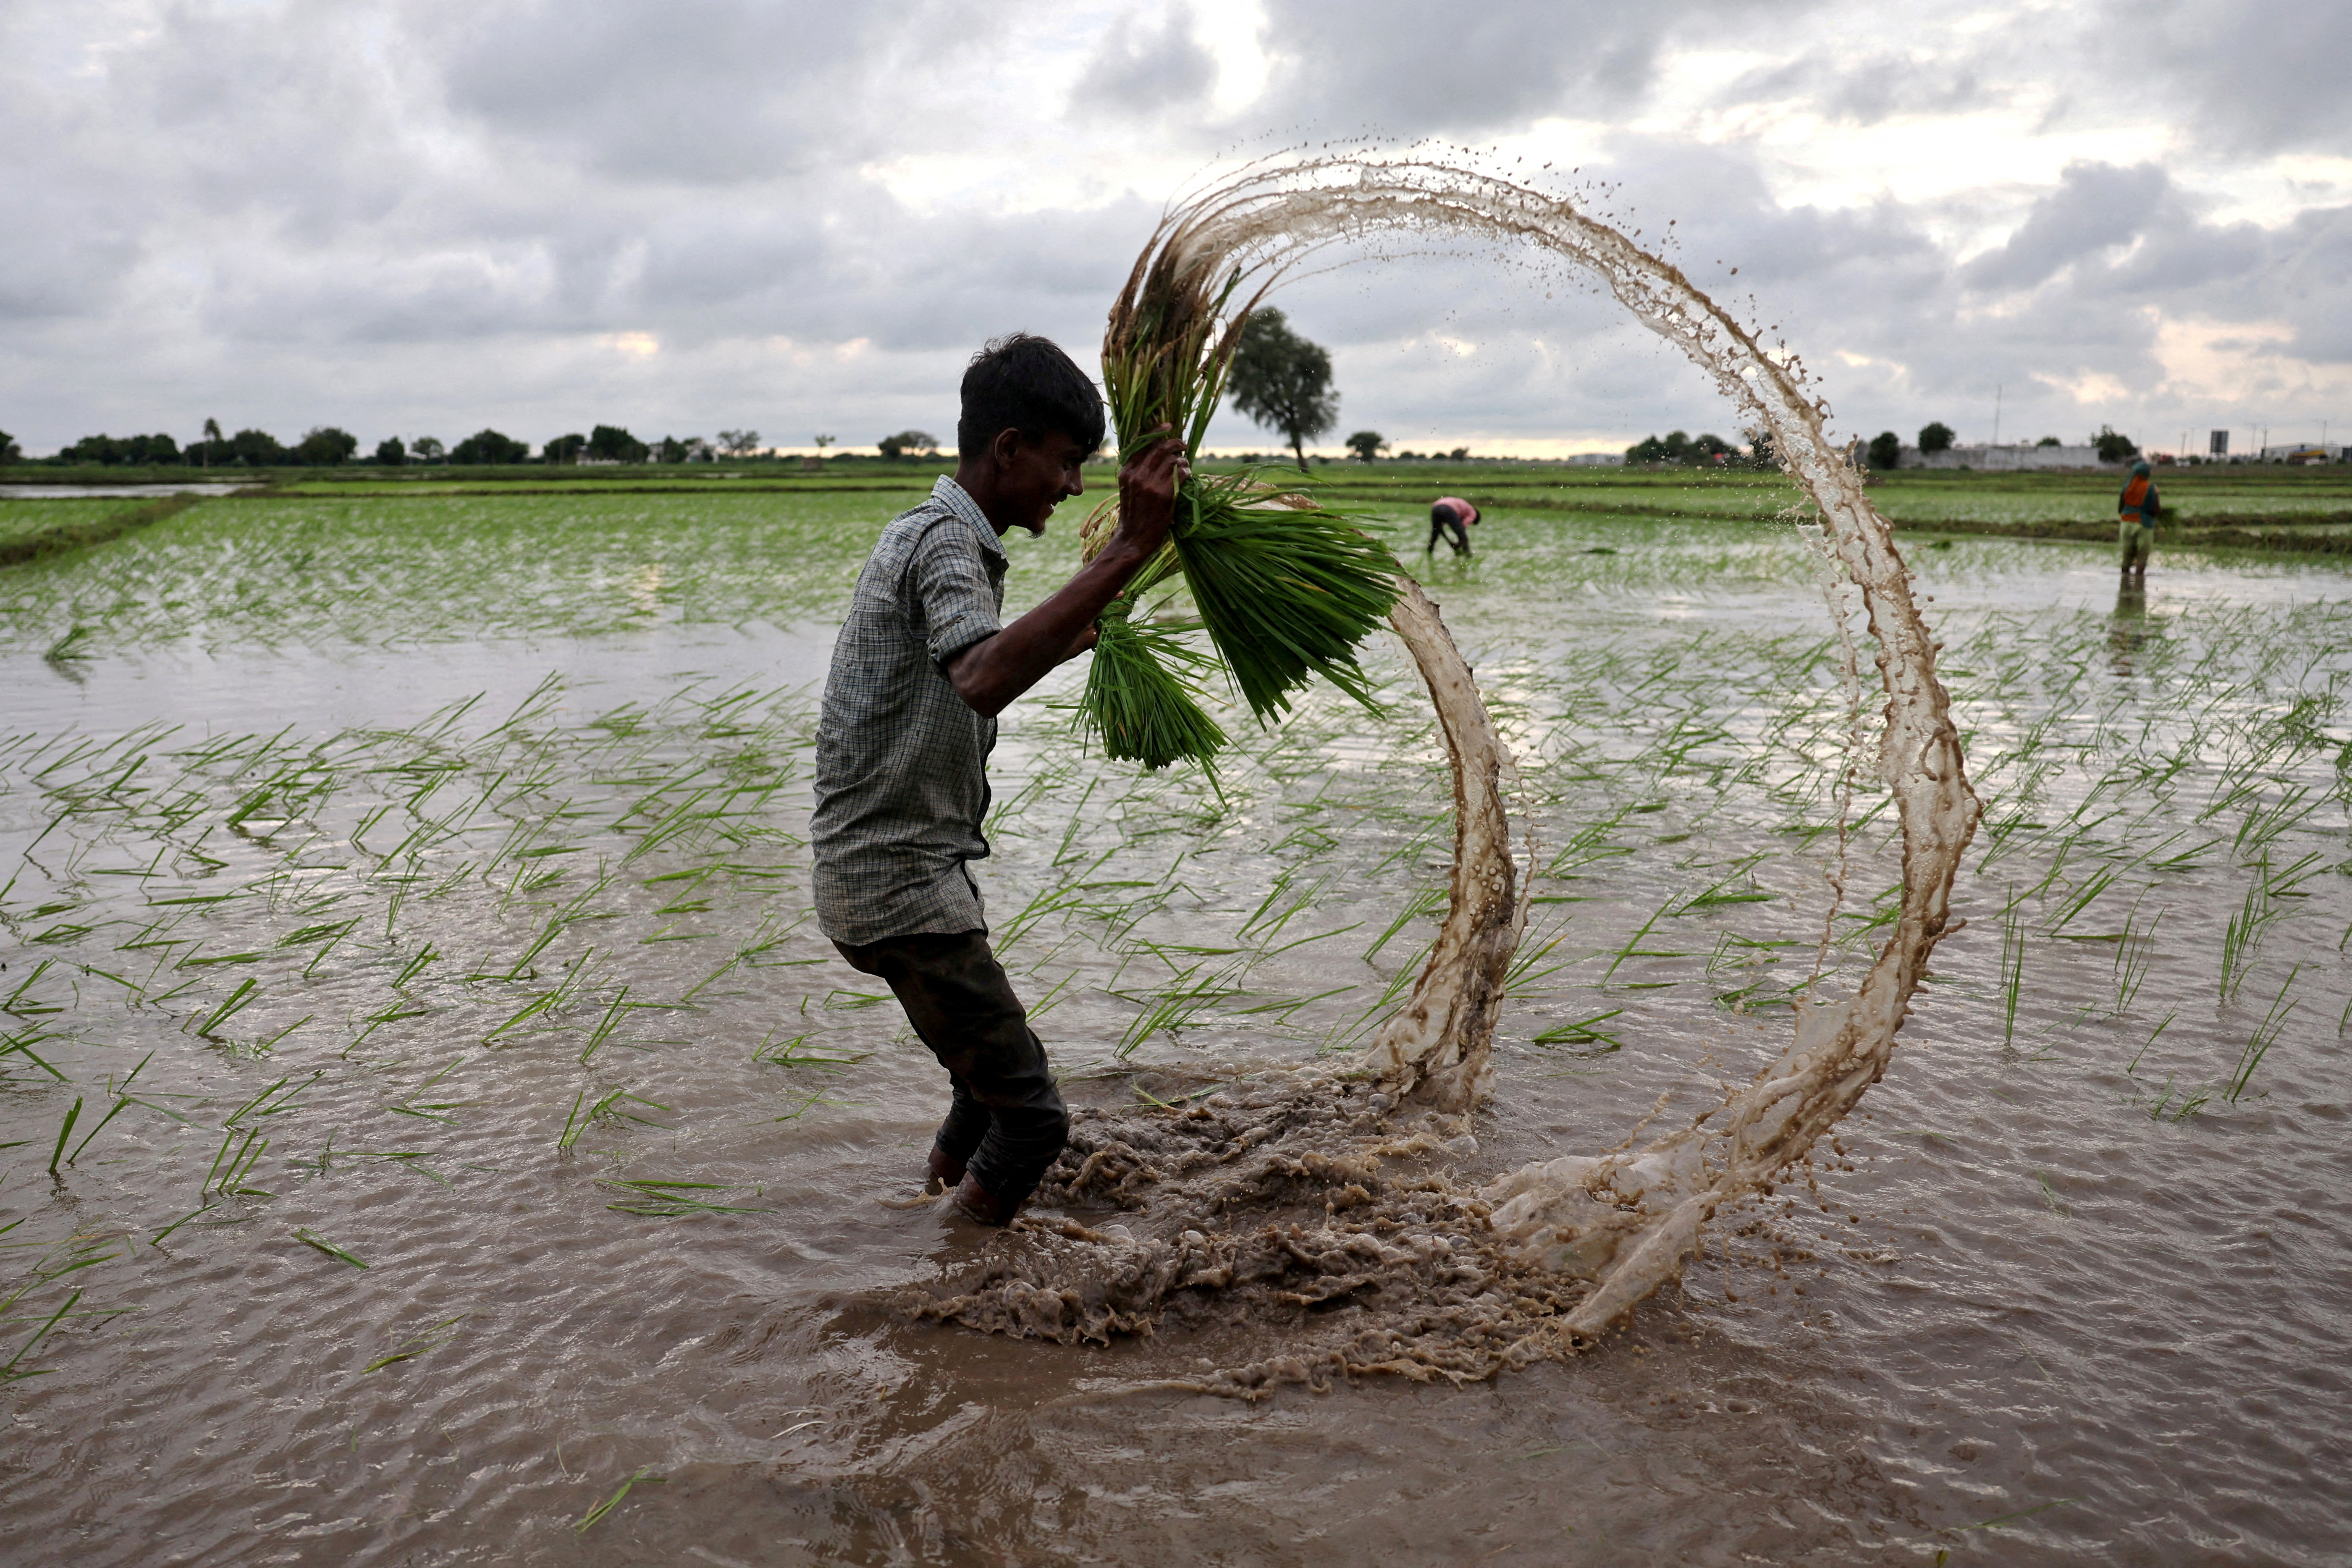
1305, 1192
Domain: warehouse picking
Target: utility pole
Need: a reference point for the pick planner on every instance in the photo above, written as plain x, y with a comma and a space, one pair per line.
1996, 413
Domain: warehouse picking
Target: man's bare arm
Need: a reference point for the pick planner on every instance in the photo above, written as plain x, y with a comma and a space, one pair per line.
994, 671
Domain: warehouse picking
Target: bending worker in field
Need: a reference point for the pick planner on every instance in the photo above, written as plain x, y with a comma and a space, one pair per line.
2135, 513
921, 670
1450, 515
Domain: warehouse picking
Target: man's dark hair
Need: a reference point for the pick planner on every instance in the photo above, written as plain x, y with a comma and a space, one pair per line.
1026, 383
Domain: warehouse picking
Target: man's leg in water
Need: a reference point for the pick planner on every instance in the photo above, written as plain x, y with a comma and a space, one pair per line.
1006, 1122
1436, 529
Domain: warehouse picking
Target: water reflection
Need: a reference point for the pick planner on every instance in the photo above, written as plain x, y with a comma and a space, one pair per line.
2128, 629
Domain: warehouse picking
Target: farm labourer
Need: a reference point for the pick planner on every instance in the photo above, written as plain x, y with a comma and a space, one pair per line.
1450, 515
921, 670
2136, 512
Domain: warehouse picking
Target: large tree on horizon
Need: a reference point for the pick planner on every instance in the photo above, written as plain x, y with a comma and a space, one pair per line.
1283, 381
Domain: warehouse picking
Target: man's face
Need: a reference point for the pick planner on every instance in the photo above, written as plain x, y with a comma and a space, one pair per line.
1038, 476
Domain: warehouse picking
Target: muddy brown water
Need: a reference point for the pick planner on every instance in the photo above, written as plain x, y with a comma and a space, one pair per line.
2028, 1311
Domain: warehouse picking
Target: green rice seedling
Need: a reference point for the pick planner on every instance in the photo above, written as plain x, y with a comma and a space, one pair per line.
2012, 974
431, 1111
416, 966
588, 1520
312, 1239
236, 1002
1583, 1034
431, 1340
2133, 955
2258, 1044
2050, 1197
1632, 948
10, 1369
797, 1053
653, 1199
65, 1131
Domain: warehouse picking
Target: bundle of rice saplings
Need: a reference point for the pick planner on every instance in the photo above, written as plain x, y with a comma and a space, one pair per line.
1285, 586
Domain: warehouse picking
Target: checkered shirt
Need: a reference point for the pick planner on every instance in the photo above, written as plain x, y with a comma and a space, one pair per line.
901, 760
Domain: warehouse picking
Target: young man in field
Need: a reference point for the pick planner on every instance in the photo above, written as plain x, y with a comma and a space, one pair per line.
921, 670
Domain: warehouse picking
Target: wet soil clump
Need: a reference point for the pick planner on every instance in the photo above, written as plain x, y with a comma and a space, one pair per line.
1310, 1211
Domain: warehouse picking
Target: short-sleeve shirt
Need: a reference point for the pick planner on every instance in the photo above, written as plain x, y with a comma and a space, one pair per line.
901, 760
1464, 513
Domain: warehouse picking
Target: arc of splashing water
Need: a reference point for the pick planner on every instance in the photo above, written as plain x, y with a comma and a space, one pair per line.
1627, 1221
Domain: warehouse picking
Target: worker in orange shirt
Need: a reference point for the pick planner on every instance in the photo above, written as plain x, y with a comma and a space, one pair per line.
2136, 514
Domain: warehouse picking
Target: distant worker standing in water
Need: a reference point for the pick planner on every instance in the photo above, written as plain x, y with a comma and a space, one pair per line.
2135, 513
1450, 515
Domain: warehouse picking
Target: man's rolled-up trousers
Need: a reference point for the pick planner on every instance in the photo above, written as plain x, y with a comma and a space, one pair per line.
1006, 1122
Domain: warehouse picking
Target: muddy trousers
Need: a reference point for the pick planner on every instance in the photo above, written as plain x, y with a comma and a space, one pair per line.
1449, 529
2138, 542
1006, 1122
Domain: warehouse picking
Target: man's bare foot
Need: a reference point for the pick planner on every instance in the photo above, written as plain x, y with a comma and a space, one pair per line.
977, 1202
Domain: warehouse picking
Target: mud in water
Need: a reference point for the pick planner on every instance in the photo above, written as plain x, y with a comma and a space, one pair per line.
1301, 1208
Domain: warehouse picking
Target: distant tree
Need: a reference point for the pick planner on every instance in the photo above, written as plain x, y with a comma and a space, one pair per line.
489, 446
428, 450
822, 443
1367, 445
1281, 381
212, 440
1937, 436
909, 444
2113, 446
669, 450
743, 443
391, 452
1678, 447
1760, 449
324, 447
92, 450
257, 449
612, 444
2050, 441
9, 451
1885, 449
1459, 455
563, 449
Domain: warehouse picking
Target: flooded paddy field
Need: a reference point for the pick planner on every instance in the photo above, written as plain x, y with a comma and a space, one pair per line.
432, 1116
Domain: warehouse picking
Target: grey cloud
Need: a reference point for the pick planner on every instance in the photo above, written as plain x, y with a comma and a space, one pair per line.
1140, 71
2258, 75
1410, 68
1866, 89
2096, 207
694, 90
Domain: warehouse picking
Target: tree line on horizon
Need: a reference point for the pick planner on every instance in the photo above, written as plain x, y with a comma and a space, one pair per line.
327, 447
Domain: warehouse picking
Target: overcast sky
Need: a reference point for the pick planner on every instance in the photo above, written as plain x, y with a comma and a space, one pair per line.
423, 216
